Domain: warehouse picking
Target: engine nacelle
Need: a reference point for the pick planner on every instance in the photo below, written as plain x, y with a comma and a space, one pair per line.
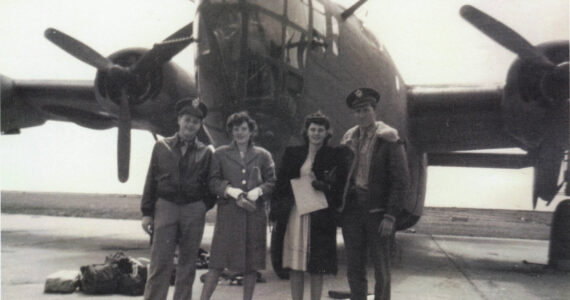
531, 113
152, 96
535, 106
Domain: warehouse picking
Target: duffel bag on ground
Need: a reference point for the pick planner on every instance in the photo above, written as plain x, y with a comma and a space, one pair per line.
99, 279
62, 282
133, 283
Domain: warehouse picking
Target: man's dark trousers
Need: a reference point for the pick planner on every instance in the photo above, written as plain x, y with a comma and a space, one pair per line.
360, 233
172, 223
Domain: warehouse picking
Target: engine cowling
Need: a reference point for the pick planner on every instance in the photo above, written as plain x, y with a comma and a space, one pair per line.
535, 106
531, 111
151, 96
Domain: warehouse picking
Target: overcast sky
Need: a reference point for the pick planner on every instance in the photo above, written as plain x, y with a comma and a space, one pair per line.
428, 40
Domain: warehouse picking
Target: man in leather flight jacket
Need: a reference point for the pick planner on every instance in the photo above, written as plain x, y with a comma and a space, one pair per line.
377, 184
175, 200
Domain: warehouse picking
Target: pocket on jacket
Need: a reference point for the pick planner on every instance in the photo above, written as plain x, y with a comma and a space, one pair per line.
162, 177
256, 175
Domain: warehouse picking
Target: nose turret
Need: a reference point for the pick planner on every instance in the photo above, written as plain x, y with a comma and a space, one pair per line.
249, 57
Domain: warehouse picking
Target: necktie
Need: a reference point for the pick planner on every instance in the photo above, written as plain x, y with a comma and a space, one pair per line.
184, 147
362, 143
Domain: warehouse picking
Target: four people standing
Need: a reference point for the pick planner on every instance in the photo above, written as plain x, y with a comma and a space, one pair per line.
365, 179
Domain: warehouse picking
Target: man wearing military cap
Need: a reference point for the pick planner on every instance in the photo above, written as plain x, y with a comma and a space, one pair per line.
376, 186
174, 202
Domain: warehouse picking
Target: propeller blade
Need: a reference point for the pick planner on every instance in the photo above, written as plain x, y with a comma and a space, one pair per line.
124, 139
78, 49
547, 170
165, 50
183, 32
350, 11
503, 35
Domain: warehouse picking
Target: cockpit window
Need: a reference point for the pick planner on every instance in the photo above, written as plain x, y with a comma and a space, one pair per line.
319, 27
265, 35
276, 6
298, 12
319, 18
335, 35
227, 30
294, 47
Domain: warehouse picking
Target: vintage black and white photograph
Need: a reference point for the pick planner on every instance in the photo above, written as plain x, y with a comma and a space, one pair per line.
285, 149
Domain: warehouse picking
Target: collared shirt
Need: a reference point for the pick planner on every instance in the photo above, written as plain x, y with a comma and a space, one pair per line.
366, 141
178, 173
184, 145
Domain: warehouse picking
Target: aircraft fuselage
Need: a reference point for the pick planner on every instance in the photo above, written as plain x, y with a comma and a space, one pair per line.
282, 60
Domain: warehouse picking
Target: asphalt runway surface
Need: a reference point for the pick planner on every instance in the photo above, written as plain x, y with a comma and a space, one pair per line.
427, 266
452, 253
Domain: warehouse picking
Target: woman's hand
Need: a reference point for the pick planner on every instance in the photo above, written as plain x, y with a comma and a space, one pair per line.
320, 186
254, 194
233, 192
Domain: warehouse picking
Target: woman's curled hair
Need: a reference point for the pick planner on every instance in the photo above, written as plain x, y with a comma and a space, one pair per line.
320, 119
236, 119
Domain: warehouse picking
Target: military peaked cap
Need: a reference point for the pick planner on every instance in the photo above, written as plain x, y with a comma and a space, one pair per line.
192, 106
361, 97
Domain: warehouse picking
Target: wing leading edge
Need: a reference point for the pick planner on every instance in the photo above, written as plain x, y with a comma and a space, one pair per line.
457, 118
32, 102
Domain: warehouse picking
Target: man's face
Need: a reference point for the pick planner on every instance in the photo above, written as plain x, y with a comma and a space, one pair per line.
188, 126
365, 115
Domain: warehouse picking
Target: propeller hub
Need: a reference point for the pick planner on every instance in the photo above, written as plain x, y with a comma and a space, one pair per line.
139, 87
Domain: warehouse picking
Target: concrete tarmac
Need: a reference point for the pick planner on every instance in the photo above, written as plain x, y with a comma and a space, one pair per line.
426, 267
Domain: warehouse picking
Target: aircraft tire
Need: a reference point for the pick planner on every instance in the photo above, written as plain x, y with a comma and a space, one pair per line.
559, 252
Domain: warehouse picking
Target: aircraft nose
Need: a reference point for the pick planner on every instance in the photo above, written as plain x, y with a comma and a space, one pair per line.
239, 67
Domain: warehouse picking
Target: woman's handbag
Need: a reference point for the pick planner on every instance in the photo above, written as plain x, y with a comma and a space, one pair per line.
245, 203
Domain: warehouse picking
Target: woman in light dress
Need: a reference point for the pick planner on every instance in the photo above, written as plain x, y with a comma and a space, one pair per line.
309, 245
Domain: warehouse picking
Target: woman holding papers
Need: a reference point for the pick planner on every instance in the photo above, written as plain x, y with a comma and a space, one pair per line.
242, 175
309, 187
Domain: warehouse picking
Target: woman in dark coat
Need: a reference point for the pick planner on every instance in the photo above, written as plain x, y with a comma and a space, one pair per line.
243, 176
310, 239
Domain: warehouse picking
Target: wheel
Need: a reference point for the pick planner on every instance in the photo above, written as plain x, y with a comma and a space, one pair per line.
276, 250
559, 252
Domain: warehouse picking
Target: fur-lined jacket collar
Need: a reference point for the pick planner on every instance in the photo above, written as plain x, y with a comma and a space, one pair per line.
383, 131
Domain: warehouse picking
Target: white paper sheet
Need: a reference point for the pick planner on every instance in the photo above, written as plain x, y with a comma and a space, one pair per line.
307, 198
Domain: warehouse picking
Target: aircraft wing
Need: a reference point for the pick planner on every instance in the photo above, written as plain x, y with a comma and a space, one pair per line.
455, 118
447, 119
32, 102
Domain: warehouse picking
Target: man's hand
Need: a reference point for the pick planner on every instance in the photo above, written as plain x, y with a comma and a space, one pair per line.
233, 192
386, 226
254, 194
148, 224
320, 186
